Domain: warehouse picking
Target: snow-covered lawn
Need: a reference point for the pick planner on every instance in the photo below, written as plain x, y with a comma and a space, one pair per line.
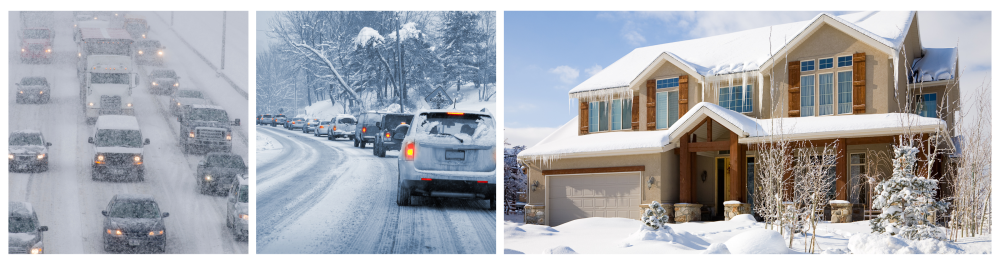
741, 235
267, 148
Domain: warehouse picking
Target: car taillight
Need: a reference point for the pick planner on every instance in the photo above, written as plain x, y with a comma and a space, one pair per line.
364, 129
321, 126
334, 128
482, 181
387, 135
426, 179
456, 113
191, 134
411, 151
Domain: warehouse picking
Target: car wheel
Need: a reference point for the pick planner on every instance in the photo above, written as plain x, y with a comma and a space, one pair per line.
229, 221
403, 198
107, 248
362, 144
141, 175
493, 204
355, 143
329, 137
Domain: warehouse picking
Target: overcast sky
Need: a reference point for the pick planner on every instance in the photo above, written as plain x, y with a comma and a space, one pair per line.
548, 53
263, 17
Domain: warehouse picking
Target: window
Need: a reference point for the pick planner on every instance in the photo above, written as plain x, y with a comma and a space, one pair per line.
843, 61
666, 109
594, 119
825, 94
845, 89
626, 114
808, 94
610, 116
807, 66
733, 98
603, 115
825, 63
667, 83
927, 107
672, 99
857, 170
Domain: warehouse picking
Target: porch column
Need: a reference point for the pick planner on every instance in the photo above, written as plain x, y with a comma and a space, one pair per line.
685, 168
737, 161
842, 169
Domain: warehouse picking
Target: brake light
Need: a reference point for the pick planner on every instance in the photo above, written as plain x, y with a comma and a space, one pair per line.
321, 126
456, 113
482, 181
411, 151
386, 134
334, 128
364, 129
426, 179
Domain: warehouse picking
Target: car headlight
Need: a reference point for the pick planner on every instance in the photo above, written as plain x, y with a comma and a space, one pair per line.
41, 92
155, 233
116, 232
191, 134
143, 36
91, 104
41, 156
100, 159
176, 84
36, 251
245, 216
22, 49
10, 156
129, 105
48, 50
137, 159
161, 53
22, 91
140, 52
229, 137
178, 103
208, 177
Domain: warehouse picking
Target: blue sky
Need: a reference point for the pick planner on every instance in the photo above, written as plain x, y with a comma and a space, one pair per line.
548, 53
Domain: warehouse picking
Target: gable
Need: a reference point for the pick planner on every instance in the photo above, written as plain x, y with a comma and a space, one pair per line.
826, 42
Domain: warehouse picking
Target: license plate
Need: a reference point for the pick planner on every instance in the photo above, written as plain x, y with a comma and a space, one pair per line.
454, 155
22, 166
134, 242
117, 171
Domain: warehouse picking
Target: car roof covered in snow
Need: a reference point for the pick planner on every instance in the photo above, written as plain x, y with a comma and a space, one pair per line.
20, 209
227, 154
454, 111
117, 122
203, 106
936, 65
345, 116
26, 131
104, 33
243, 179
133, 197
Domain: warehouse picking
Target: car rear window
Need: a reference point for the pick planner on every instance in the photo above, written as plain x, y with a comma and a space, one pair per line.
346, 121
455, 128
189, 94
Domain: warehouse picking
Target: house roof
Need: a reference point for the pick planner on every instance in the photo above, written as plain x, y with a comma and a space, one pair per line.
565, 141
748, 50
936, 65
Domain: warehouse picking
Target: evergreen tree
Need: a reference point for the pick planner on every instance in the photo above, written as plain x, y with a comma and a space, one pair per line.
907, 201
655, 217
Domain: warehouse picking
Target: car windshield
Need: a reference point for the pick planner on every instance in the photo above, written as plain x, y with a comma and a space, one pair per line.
118, 138
188, 94
109, 78
134, 209
347, 121
266, 116
298, 119
227, 161
466, 128
36, 34
24, 139
163, 74
34, 81
244, 197
280, 116
20, 224
205, 114
148, 44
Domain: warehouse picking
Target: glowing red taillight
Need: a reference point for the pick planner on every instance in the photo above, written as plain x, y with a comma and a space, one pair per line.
426, 179
411, 151
456, 113
364, 129
387, 135
482, 181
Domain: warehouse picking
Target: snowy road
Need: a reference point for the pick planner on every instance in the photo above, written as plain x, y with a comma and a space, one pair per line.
321, 196
65, 197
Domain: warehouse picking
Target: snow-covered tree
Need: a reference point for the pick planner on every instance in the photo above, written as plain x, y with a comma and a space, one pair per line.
515, 181
655, 217
814, 188
907, 201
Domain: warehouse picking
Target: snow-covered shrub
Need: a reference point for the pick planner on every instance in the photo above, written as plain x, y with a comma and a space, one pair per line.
515, 180
907, 201
883, 244
655, 216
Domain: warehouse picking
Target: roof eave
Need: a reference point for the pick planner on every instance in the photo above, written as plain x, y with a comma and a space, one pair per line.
825, 19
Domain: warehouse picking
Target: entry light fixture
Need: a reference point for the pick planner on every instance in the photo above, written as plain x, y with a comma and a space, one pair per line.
534, 185
704, 176
649, 183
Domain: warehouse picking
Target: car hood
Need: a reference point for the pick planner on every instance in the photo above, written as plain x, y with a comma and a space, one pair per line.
164, 80
118, 150
211, 124
191, 101
26, 149
23, 240
33, 87
134, 224
37, 41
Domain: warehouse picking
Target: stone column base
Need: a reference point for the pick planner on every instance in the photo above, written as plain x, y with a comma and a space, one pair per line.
534, 214
841, 212
687, 212
734, 208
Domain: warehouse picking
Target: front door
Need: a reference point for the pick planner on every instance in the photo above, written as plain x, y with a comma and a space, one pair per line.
721, 186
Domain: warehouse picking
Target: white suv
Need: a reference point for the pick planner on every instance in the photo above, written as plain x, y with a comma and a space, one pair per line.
117, 147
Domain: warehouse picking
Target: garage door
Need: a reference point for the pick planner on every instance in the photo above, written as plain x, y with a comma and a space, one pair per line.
573, 197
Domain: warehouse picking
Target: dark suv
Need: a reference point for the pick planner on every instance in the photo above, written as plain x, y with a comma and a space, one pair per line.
387, 127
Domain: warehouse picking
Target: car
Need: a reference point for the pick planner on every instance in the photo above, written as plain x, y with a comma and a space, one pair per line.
383, 140
23, 230
295, 123
342, 126
321, 128
310, 125
217, 170
149, 51
136, 26
237, 207
278, 119
265, 119
183, 98
134, 222
163, 81
27, 150
118, 148
205, 127
365, 131
36, 44
447, 153
33, 89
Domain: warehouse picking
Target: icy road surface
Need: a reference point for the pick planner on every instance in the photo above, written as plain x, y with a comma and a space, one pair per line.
69, 202
321, 196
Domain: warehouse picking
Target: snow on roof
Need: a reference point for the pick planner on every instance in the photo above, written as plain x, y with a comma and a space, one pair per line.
117, 122
134, 197
937, 64
104, 33
741, 51
566, 140
25, 131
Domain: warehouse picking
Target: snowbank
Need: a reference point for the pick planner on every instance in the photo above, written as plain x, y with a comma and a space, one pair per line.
882, 244
758, 241
665, 234
743, 219
322, 110
717, 248
267, 148
937, 64
559, 250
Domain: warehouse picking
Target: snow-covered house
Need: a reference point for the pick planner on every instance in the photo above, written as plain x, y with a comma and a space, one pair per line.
674, 122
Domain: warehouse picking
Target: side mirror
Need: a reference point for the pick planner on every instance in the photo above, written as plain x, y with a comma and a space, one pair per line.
378, 124
165, 215
90, 139
43, 228
237, 123
104, 213
48, 144
146, 142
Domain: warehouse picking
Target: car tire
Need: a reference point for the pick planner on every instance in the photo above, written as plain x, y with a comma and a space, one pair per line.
229, 221
355, 143
493, 204
141, 175
329, 137
107, 248
363, 144
403, 198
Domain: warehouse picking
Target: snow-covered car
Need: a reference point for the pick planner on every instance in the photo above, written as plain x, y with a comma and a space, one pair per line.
365, 131
27, 150
237, 207
163, 81
310, 125
23, 230
134, 222
205, 127
136, 26
387, 127
264, 119
185, 97
278, 119
218, 170
321, 128
149, 51
295, 123
36, 45
448, 153
118, 146
33, 89
342, 126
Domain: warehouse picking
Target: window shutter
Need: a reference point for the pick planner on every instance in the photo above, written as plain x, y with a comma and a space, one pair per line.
650, 105
682, 101
793, 89
859, 83
584, 118
635, 113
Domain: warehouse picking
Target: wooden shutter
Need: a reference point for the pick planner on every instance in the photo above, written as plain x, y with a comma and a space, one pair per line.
859, 83
584, 118
793, 89
682, 99
635, 113
650, 105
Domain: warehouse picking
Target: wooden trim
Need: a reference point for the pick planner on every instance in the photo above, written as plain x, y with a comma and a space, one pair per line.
842, 166
635, 113
872, 140
709, 146
584, 118
709, 130
859, 83
593, 170
682, 95
794, 103
737, 162
685, 185
651, 105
